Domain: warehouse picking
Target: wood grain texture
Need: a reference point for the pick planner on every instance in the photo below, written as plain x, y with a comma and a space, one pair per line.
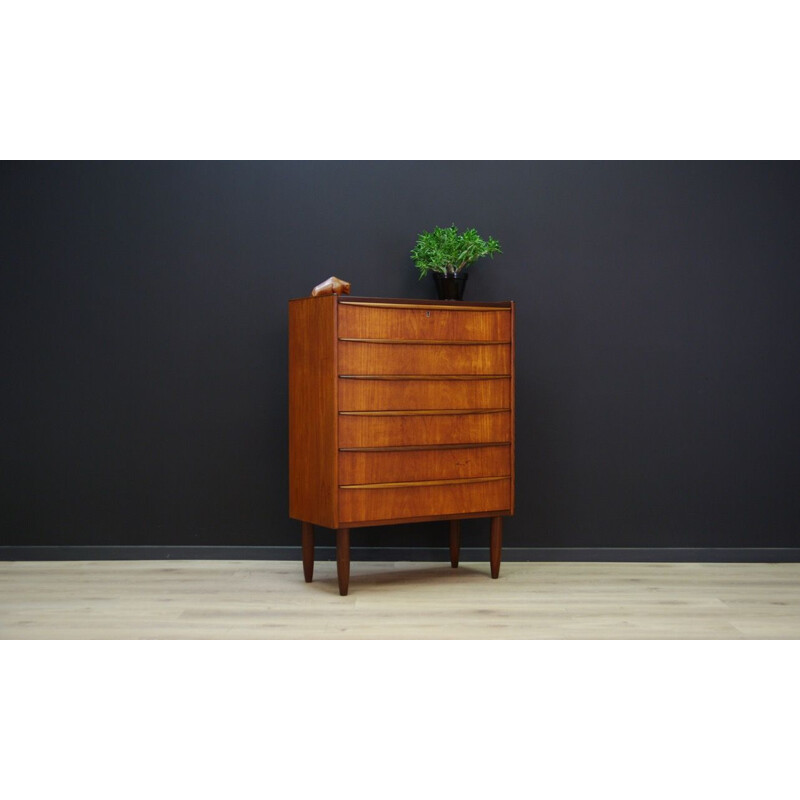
403, 448
427, 342
377, 395
423, 412
313, 428
230, 600
406, 484
421, 465
432, 376
446, 305
429, 518
513, 404
367, 322
417, 377
361, 505
358, 431
358, 358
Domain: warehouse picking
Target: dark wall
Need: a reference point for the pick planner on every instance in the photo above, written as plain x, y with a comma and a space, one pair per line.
144, 342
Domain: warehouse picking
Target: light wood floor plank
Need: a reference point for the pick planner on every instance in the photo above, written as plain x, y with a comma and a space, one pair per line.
270, 600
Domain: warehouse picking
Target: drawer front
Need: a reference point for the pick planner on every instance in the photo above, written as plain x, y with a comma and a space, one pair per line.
362, 505
386, 395
387, 322
393, 431
424, 465
369, 358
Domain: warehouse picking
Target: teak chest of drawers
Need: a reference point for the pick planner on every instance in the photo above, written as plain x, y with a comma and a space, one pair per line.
399, 411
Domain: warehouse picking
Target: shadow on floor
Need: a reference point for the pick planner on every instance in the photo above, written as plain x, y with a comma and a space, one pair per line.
364, 576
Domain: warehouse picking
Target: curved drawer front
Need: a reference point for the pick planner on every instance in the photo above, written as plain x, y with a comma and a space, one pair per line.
372, 358
424, 465
362, 505
357, 394
393, 431
388, 322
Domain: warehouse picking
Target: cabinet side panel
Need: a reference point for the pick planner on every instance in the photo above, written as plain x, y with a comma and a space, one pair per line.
513, 403
312, 411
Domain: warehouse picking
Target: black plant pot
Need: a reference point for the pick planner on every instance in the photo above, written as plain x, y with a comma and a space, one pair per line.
450, 287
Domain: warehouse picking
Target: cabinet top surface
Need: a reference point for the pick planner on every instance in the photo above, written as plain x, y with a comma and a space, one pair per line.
405, 301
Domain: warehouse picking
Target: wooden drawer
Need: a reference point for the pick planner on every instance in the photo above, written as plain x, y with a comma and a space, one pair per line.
424, 465
364, 504
376, 394
370, 358
359, 430
431, 323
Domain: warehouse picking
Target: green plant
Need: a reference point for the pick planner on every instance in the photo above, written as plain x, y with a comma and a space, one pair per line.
445, 250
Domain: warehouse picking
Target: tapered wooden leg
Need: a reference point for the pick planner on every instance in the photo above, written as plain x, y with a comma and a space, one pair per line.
496, 544
455, 541
308, 551
343, 559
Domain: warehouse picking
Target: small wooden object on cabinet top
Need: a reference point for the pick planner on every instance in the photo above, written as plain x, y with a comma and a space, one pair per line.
399, 411
332, 285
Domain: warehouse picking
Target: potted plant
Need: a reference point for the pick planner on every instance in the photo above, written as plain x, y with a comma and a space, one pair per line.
446, 254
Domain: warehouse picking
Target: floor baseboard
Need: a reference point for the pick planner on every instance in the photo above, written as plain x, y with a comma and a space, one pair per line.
328, 553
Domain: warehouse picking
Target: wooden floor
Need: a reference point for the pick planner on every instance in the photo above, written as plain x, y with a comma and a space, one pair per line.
270, 600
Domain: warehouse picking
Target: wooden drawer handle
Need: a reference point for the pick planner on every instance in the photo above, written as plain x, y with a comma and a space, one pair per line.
425, 412
404, 484
379, 377
428, 341
412, 447
421, 308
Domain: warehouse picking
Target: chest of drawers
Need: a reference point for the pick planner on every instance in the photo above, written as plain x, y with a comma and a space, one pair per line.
399, 411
